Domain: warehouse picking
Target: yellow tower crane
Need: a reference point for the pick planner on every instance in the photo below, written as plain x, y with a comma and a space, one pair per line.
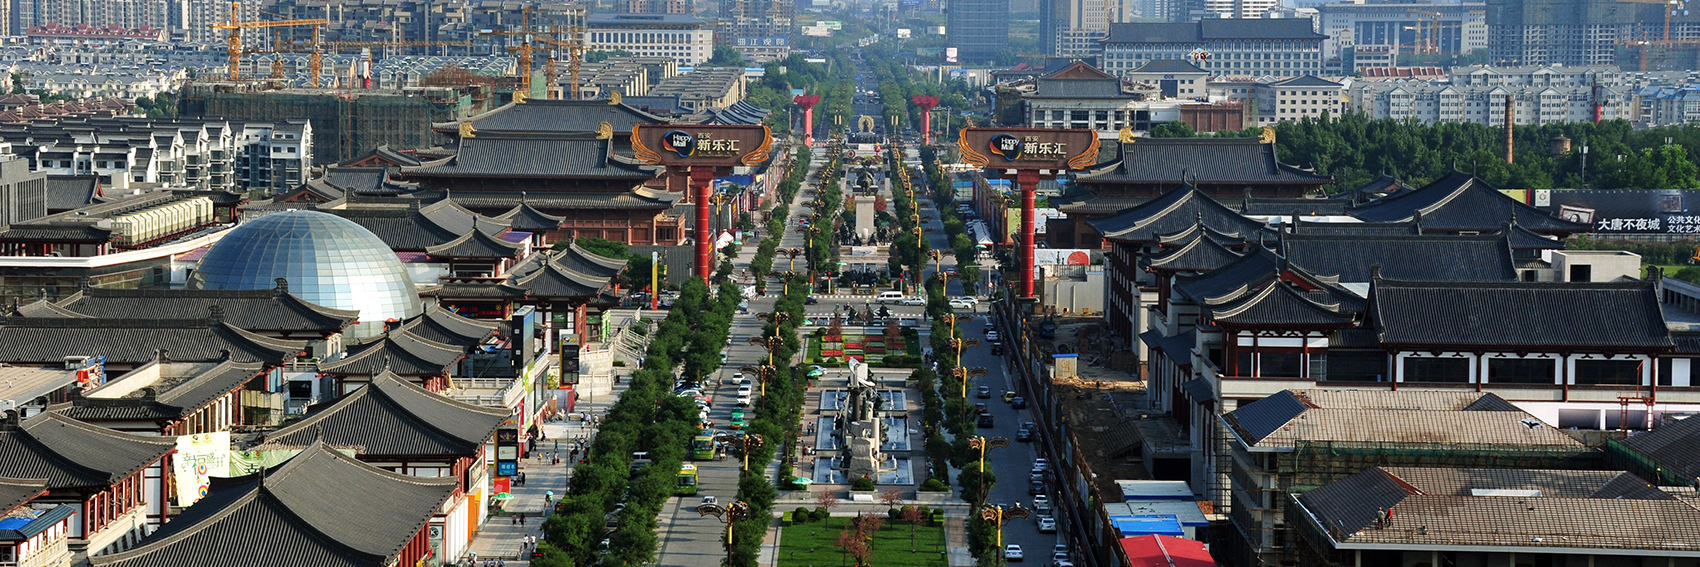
575, 55
524, 48
236, 25
316, 64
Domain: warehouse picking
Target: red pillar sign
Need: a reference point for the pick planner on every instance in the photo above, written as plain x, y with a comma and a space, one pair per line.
927, 103
700, 153
1030, 154
808, 103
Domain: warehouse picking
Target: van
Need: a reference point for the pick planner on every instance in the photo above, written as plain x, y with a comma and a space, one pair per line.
889, 297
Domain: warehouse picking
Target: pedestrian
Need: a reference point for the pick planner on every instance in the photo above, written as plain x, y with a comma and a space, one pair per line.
513, 521
522, 519
501, 562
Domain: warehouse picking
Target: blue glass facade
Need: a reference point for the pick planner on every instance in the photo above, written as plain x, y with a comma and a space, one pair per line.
327, 260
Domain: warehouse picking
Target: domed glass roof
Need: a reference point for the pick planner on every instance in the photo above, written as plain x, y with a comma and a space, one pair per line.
326, 259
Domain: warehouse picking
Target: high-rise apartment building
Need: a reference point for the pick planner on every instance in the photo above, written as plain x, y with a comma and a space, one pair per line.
760, 30
1405, 27
1578, 32
977, 29
428, 21
679, 7
1072, 28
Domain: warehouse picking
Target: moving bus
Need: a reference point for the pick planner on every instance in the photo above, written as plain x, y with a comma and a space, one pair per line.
687, 480
702, 447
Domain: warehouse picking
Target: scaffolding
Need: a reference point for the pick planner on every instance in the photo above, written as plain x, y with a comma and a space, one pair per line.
344, 127
1313, 464
1622, 456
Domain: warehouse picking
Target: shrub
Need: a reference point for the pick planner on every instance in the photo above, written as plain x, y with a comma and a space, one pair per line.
819, 515
801, 514
934, 485
863, 484
894, 513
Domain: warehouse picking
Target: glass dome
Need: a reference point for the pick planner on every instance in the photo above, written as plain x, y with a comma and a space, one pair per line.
326, 259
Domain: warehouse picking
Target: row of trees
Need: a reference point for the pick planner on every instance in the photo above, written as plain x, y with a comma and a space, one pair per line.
647, 417
835, 82
776, 420
762, 264
1355, 149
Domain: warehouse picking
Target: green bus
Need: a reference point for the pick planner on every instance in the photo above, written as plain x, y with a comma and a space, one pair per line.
687, 480
702, 447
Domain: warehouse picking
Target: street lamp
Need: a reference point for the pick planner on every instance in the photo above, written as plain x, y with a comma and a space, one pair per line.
771, 343
958, 344
785, 277
733, 513
763, 373
748, 442
963, 374
983, 444
998, 514
793, 253
938, 264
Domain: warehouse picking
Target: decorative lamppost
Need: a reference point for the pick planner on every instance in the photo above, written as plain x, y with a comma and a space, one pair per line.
763, 373
963, 373
747, 442
771, 343
984, 444
735, 512
998, 514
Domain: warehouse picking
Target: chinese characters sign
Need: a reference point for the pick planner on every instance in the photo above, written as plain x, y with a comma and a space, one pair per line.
1028, 148
1646, 211
721, 146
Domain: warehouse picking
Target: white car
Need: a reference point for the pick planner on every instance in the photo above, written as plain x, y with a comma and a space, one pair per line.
745, 401
1012, 552
991, 336
1047, 524
913, 301
962, 305
1041, 500
1059, 552
969, 299
1041, 465
745, 392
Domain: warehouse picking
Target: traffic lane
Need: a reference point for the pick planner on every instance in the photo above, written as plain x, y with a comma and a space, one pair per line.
1012, 465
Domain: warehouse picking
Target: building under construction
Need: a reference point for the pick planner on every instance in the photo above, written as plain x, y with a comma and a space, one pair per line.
346, 124
1592, 32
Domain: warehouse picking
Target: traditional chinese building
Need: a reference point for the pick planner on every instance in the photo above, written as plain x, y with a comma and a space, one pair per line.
397, 426
34, 533
321, 508
168, 398
1146, 168
129, 343
116, 483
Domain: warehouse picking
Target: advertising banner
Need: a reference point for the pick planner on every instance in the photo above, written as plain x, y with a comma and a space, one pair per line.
714, 145
199, 457
1028, 148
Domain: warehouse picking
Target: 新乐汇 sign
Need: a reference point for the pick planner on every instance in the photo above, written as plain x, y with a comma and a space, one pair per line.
1028, 148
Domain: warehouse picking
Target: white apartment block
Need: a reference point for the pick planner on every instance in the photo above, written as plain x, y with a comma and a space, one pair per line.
211, 155
685, 39
1433, 101
1259, 48
1298, 98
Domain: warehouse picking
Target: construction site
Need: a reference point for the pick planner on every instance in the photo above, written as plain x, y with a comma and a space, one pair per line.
350, 116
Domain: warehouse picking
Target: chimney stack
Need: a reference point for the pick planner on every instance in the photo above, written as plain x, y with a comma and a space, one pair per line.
1510, 123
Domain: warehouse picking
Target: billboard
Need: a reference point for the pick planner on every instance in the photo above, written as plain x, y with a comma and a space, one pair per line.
1623, 211
770, 41
949, 54
1059, 257
711, 145
833, 25
903, 33
198, 458
1028, 148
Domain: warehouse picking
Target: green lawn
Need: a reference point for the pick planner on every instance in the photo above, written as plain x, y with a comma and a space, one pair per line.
811, 545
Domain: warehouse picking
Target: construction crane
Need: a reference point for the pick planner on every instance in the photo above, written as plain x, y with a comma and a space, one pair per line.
1671, 8
236, 25
524, 48
1429, 43
316, 63
575, 54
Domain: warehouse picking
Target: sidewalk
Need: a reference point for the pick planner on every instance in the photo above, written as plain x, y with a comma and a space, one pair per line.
500, 537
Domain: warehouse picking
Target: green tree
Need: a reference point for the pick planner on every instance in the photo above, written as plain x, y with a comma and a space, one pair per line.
725, 56
550, 556
603, 55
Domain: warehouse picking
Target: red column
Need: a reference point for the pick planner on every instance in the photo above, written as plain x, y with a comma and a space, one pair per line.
1025, 182
702, 181
926, 128
808, 103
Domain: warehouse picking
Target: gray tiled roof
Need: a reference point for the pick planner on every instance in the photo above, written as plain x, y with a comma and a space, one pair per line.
1211, 29
15, 492
399, 352
172, 397
1202, 160
475, 244
1434, 507
391, 417
1434, 258
555, 116
1407, 426
1168, 66
136, 341
1279, 305
260, 310
1520, 315
1199, 255
527, 218
1461, 202
299, 516
534, 156
1174, 211
1675, 447
72, 454
440, 325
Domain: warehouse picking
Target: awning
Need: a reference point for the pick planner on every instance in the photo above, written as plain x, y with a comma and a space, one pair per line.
1178, 347
1200, 390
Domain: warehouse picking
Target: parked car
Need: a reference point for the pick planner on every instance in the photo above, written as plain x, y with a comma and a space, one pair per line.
1047, 524
1012, 552
1059, 552
969, 299
1035, 488
1041, 465
1008, 396
991, 336
1018, 403
1024, 435
997, 349
985, 392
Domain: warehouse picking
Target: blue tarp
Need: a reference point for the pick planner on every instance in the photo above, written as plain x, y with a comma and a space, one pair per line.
1132, 526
